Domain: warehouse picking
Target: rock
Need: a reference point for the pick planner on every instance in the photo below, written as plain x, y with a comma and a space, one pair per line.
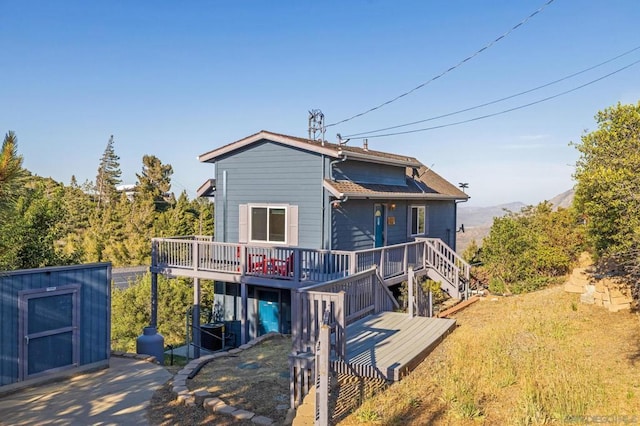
587, 298
570, 287
619, 307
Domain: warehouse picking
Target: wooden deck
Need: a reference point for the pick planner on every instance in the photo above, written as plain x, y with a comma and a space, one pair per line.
389, 345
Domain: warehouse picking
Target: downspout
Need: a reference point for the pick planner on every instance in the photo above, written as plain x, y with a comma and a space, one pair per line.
342, 198
323, 244
334, 162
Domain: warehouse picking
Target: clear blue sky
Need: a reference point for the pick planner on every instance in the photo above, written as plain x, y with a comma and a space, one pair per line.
177, 79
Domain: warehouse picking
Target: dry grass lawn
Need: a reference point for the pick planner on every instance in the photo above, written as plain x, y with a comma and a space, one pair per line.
256, 379
539, 358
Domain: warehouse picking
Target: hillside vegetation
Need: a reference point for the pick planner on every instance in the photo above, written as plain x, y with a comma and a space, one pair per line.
531, 359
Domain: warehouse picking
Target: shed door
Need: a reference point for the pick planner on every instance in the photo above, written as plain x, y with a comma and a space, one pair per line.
49, 330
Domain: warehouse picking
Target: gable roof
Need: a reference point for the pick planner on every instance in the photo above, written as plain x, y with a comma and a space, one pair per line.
326, 148
207, 189
424, 184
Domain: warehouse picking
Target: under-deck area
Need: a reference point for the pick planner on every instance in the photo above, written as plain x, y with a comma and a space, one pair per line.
389, 345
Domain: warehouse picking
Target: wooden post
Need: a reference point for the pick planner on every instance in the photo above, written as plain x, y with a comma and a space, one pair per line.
194, 255
195, 319
341, 325
154, 284
296, 320
430, 303
242, 253
353, 266
405, 260
297, 265
154, 299
243, 313
322, 390
410, 292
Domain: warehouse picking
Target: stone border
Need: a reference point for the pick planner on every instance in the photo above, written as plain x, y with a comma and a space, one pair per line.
208, 401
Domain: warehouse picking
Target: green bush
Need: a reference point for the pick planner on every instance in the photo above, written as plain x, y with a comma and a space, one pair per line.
524, 251
131, 310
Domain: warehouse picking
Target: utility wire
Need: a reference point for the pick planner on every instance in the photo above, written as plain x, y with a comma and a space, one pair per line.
420, 86
557, 95
495, 101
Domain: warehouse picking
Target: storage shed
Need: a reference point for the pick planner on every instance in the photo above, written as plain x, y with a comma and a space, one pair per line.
55, 321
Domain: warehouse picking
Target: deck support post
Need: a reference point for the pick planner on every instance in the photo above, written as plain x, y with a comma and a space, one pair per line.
154, 284
243, 313
154, 300
410, 291
322, 368
195, 319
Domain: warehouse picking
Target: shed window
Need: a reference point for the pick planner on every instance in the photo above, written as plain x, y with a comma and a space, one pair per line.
418, 220
268, 224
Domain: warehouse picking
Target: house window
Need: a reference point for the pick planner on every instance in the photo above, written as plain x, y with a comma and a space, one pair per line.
418, 220
268, 224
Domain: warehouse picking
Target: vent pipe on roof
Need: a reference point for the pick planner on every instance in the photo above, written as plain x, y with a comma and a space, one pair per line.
365, 144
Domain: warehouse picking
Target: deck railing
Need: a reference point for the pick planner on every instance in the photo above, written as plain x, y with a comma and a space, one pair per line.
346, 299
337, 304
200, 253
449, 265
392, 261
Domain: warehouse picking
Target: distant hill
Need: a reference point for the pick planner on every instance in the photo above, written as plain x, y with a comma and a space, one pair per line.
563, 200
477, 221
478, 216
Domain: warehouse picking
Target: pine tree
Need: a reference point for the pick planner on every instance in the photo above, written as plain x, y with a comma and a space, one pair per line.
12, 178
12, 175
108, 176
155, 181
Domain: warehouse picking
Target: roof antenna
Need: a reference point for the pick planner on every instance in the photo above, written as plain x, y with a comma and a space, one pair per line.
316, 126
342, 141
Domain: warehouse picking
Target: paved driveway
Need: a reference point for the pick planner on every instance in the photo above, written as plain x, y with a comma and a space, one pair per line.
118, 395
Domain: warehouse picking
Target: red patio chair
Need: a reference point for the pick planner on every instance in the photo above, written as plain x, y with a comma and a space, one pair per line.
283, 268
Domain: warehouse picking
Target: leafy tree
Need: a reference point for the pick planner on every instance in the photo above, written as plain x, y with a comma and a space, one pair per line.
608, 184
131, 310
527, 250
39, 225
108, 176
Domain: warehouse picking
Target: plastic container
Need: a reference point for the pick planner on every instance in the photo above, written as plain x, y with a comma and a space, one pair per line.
151, 343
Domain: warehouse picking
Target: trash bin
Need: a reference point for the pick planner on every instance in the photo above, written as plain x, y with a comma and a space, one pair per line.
211, 336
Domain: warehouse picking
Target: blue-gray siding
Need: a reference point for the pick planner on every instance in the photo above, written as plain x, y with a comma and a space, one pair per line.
358, 171
442, 221
270, 173
95, 311
353, 226
353, 223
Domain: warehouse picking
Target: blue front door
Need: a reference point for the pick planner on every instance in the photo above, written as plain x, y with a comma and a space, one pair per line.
379, 222
268, 312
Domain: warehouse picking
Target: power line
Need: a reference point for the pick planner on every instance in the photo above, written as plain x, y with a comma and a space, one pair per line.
494, 101
420, 86
506, 110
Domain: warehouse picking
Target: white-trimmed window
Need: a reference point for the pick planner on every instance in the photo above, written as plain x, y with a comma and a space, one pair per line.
268, 224
272, 224
418, 220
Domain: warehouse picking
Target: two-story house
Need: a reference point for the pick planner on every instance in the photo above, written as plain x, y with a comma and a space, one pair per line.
291, 211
